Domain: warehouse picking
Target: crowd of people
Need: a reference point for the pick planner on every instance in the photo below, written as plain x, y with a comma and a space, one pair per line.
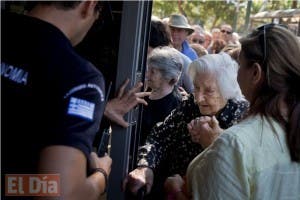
222, 120
243, 110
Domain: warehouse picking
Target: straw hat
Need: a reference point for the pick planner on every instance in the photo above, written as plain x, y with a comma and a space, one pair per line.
180, 21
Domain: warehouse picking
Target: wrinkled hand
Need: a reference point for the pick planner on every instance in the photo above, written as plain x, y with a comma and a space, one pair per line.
137, 178
204, 130
117, 107
174, 184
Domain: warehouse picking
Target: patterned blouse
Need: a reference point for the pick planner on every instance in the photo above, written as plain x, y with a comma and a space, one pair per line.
170, 144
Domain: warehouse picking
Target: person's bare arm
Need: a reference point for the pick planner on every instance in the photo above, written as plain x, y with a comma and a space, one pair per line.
117, 107
70, 164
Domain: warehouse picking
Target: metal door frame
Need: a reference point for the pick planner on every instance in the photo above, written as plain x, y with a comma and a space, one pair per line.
136, 17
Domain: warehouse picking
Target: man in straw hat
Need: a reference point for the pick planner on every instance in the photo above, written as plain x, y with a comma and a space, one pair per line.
180, 29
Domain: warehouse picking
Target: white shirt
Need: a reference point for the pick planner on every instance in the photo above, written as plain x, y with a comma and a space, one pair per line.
248, 161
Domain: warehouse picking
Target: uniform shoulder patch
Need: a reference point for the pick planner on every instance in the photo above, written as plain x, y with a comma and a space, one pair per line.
81, 108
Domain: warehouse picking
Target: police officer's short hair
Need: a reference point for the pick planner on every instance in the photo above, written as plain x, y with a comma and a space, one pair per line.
64, 5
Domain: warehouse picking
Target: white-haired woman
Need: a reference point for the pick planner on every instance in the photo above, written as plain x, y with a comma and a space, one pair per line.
164, 65
216, 95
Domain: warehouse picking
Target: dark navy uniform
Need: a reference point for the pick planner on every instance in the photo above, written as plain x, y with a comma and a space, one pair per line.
50, 95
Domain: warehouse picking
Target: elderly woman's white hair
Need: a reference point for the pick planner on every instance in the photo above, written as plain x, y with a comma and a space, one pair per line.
168, 61
224, 69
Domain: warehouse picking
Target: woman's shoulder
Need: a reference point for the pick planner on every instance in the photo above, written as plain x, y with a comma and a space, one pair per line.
252, 123
253, 130
244, 125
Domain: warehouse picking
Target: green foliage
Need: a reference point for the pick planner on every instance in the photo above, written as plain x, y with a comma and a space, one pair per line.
212, 14
164, 8
206, 13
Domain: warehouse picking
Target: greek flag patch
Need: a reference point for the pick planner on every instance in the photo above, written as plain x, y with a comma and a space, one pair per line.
81, 108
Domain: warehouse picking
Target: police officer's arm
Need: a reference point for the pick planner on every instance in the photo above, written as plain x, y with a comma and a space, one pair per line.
70, 164
69, 146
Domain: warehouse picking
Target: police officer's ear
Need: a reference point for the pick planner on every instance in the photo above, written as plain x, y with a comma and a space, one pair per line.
87, 8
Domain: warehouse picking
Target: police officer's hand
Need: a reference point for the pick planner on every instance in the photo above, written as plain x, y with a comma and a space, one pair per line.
117, 107
137, 178
103, 162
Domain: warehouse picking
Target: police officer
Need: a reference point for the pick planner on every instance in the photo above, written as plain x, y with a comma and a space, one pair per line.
52, 99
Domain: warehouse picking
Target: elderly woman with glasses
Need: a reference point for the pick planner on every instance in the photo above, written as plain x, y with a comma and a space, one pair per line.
259, 158
170, 146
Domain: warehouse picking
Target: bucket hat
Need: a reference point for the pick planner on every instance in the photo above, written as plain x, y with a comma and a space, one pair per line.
180, 21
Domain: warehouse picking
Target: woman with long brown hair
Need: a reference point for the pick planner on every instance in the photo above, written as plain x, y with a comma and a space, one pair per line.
259, 158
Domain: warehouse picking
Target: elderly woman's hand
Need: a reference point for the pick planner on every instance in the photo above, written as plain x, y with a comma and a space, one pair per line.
138, 178
183, 93
204, 130
173, 184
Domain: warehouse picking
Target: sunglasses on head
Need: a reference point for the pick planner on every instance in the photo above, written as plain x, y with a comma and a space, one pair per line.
228, 32
263, 42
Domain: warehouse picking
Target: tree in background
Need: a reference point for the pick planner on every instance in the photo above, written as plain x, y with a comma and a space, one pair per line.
212, 14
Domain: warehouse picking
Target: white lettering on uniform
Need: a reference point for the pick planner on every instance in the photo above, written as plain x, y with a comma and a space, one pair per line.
85, 86
13, 73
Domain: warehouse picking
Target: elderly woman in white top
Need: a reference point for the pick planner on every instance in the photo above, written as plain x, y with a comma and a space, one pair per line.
216, 95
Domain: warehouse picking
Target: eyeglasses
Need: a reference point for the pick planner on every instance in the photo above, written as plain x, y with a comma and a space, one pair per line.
198, 41
264, 43
228, 32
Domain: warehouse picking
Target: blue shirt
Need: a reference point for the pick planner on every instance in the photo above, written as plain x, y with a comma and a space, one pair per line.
188, 51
